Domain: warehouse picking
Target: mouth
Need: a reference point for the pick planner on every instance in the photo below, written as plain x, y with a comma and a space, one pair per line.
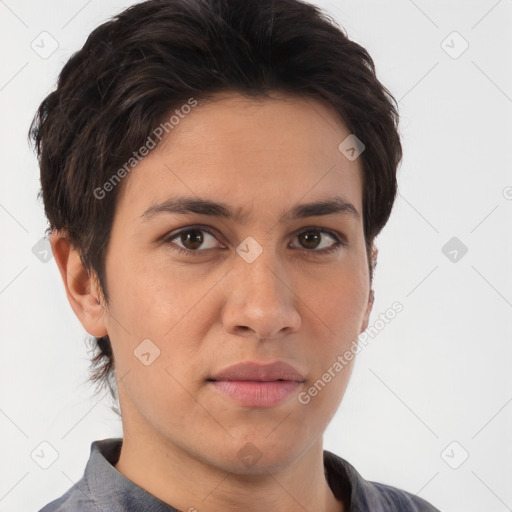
259, 372
256, 385
256, 394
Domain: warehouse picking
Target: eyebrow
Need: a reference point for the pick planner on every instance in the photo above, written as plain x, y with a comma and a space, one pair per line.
200, 206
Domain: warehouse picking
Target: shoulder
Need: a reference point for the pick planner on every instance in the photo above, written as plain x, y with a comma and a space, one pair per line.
95, 491
77, 498
364, 495
394, 499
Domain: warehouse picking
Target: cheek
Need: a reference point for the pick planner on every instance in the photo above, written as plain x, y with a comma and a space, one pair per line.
150, 302
340, 300
335, 321
147, 300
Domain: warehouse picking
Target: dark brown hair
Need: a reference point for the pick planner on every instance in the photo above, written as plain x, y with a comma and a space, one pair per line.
152, 58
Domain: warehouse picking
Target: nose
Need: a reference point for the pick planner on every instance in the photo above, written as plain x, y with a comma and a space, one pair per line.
261, 300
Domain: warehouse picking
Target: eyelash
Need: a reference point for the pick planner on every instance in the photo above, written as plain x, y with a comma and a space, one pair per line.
334, 248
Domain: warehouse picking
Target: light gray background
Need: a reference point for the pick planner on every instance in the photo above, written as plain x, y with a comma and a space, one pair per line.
439, 372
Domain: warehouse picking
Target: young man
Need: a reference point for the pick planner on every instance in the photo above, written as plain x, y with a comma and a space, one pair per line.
215, 173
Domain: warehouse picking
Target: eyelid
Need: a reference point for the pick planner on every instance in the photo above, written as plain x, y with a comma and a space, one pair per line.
339, 238
169, 237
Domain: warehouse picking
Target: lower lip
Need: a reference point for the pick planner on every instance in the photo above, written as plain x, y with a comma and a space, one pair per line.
257, 394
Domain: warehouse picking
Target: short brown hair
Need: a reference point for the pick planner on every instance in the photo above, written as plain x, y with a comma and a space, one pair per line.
151, 58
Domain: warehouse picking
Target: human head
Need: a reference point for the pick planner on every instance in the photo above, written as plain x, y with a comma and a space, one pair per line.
134, 71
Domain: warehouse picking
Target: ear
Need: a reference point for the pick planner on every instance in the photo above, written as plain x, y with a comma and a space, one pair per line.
82, 289
371, 295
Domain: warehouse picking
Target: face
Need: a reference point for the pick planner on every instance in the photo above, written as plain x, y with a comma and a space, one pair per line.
267, 284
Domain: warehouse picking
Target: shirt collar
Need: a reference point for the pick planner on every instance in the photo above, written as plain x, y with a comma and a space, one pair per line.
110, 486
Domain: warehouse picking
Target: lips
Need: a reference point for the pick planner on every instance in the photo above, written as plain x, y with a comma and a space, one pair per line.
259, 372
256, 385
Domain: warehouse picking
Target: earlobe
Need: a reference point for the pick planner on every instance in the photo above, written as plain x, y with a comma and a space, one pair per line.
375, 253
81, 287
367, 312
371, 295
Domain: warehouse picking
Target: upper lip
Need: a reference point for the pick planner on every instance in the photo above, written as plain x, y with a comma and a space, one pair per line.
256, 371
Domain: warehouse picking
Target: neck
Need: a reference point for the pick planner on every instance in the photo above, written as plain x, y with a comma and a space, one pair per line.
189, 483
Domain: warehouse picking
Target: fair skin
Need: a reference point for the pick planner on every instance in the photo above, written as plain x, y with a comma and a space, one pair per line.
295, 303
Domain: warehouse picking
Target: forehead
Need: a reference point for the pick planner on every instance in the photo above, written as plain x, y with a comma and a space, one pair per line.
237, 149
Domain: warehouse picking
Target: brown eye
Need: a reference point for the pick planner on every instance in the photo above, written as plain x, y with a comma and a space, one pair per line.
309, 239
192, 239
313, 238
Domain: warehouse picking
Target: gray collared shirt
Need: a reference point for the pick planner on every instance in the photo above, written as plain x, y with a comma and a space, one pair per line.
103, 489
